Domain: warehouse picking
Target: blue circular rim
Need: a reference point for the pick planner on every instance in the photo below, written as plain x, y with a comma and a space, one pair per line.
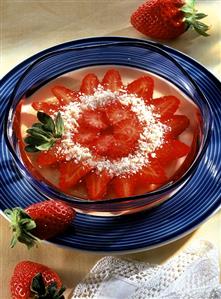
147, 197
143, 230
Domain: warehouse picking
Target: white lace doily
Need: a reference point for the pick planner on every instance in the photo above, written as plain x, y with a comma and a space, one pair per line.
193, 274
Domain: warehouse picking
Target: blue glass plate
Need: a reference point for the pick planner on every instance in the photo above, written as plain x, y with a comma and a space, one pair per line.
181, 214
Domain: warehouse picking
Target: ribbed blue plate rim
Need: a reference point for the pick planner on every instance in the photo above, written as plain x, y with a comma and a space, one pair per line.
88, 233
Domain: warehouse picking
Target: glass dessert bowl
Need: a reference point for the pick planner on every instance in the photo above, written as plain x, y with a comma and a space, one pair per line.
104, 132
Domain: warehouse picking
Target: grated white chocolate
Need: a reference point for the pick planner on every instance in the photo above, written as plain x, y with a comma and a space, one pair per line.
150, 139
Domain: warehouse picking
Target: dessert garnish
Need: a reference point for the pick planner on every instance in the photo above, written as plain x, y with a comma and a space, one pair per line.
44, 134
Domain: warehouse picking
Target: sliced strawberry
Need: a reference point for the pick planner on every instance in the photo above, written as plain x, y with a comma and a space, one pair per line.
94, 119
112, 80
64, 95
50, 157
104, 144
189, 158
125, 186
117, 112
128, 130
177, 124
142, 87
152, 173
97, 184
86, 135
89, 84
46, 158
180, 149
166, 106
120, 148
170, 151
49, 106
71, 173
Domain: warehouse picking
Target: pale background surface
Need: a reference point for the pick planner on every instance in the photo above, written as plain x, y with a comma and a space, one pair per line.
28, 27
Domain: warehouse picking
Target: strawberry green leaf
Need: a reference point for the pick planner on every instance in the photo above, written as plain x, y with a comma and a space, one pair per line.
41, 291
42, 136
36, 140
31, 149
190, 3
38, 285
29, 224
53, 289
191, 17
47, 121
200, 31
201, 28
46, 146
54, 293
187, 10
35, 131
61, 291
200, 16
22, 225
37, 125
59, 125
43, 117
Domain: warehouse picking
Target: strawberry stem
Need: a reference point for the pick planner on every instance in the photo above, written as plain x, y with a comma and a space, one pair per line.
40, 291
22, 225
192, 17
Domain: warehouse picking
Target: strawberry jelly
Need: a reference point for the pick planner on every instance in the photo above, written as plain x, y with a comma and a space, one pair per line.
125, 139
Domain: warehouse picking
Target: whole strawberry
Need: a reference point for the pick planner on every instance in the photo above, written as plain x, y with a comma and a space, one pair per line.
42, 220
167, 19
33, 280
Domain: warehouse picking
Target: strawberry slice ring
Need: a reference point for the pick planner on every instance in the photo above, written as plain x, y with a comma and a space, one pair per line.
118, 143
115, 135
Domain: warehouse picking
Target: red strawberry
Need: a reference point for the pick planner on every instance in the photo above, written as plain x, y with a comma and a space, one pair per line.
118, 145
94, 119
46, 158
119, 148
128, 130
86, 135
41, 220
112, 80
71, 173
49, 106
33, 280
50, 157
166, 106
167, 19
170, 151
152, 173
97, 184
64, 95
104, 144
89, 84
177, 124
108, 145
125, 186
180, 149
117, 112
121, 141
142, 87
189, 158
